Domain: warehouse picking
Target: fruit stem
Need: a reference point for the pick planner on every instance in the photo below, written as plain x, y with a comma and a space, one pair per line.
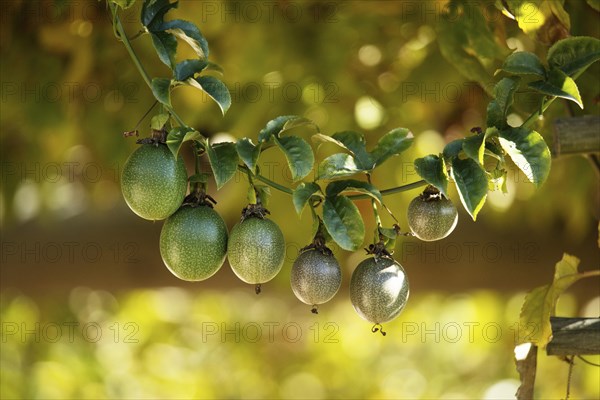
257, 288
315, 309
120, 31
378, 327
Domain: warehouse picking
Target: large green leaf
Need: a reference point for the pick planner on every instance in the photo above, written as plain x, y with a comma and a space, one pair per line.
248, 152
215, 89
452, 149
165, 45
524, 63
154, 11
299, 155
355, 143
540, 303
161, 89
180, 134
187, 68
343, 222
391, 144
433, 170
274, 126
528, 151
302, 193
471, 182
573, 55
352, 185
223, 160
189, 33
474, 147
559, 84
337, 166
503, 98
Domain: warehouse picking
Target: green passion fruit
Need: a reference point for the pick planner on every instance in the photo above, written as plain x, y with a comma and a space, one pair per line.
431, 217
316, 277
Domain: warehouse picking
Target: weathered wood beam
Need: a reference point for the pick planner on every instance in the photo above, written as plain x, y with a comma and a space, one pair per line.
574, 336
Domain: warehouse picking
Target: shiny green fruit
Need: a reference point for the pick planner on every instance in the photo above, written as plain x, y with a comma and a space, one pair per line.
256, 250
379, 289
316, 277
153, 182
193, 243
431, 219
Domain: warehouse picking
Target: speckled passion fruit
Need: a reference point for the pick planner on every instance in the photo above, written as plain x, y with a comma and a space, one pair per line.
379, 289
153, 182
431, 217
256, 250
193, 243
316, 277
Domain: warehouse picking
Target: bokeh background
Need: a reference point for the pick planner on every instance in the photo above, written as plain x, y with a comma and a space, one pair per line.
89, 311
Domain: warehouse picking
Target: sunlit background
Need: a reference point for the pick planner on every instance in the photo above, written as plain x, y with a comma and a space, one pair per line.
88, 309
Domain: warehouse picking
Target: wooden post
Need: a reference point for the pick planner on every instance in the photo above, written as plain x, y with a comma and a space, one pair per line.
574, 336
577, 135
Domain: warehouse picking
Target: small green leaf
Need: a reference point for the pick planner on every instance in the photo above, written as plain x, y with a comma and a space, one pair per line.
573, 55
391, 144
337, 166
474, 147
188, 32
165, 45
452, 149
124, 4
161, 89
248, 152
299, 155
352, 185
188, 68
433, 170
497, 180
540, 303
595, 4
471, 182
303, 193
528, 151
180, 134
503, 98
215, 89
343, 222
524, 63
355, 143
297, 123
153, 12
223, 160
559, 84
158, 121
274, 126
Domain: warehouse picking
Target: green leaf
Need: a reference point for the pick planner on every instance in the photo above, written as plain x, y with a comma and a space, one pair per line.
524, 63
471, 182
299, 155
351, 141
161, 89
452, 149
497, 180
180, 134
337, 166
343, 222
528, 151
215, 89
124, 4
223, 160
433, 170
595, 4
303, 193
540, 303
187, 68
573, 55
559, 84
158, 121
391, 144
503, 98
154, 11
274, 126
474, 147
297, 123
264, 194
248, 152
189, 33
352, 185
165, 45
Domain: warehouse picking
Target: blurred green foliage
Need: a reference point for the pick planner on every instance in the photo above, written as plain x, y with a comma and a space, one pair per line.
173, 343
